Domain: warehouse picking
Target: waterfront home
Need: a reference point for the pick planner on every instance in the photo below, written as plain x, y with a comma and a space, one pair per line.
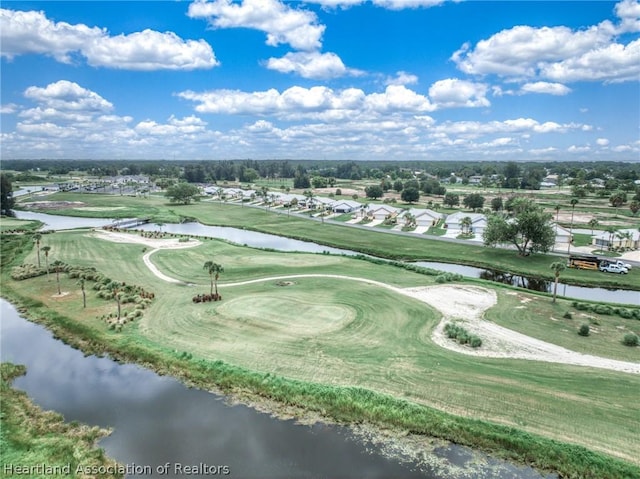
424, 217
454, 222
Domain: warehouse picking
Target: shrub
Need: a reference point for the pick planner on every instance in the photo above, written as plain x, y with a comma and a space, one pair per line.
475, 342
584, 330
630, 339
567, 315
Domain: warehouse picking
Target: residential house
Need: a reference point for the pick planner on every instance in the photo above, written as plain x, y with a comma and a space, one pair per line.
424, 217
381, 212
625, 238
453, 222
346, 206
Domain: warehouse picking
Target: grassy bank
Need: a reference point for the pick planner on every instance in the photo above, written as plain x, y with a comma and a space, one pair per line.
378, 366
377, 243
32, 438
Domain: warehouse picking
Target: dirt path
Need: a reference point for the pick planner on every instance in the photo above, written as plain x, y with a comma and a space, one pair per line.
463, 303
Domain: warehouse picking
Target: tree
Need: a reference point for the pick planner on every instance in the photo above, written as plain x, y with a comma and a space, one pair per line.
214, 270
84, 293
118, 294
398, 186
574, 202
634, 206
159, 224
466, 224
7, 201
410, 195
37, 237
374, 191
45, 250
182, 193
451, 199
496, 203
557, 267
612, 231
474, 201
529, 229
593, 223
57, 267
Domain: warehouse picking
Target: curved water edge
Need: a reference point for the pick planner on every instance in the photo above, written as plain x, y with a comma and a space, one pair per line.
280, 243
157, 420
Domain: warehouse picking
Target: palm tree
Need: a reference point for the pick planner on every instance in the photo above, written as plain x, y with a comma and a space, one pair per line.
557, 267
116, 289
159, 224
612, 231
574, 202
214, 270
37, 237
57, 267
593, 223
466, 224
84, 293
45, 250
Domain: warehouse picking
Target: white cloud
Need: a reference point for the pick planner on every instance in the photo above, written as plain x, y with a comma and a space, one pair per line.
558, 53
318, 102
149, 50
8, 108
602, 142
311, 65
282, 24
476, 129
557, 89
68, 96
32, 32
452, 92
402, 78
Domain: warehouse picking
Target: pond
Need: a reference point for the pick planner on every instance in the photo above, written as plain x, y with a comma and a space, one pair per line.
157, 420
280, 243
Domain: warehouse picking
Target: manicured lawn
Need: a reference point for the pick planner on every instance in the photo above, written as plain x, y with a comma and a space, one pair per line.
347, 333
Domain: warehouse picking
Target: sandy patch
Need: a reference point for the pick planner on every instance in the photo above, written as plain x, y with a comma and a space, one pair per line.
61, 295
467, 305
53, 205
156, 243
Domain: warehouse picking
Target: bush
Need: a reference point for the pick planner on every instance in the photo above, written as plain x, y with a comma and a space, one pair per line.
630, 339
584, 330
567, 315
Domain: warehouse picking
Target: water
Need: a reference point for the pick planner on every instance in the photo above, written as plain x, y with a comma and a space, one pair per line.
280, 243
157, 420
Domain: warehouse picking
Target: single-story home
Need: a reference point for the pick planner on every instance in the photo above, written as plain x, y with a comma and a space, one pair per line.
424, 217
381, 212
625, 238
478, 222
346, 206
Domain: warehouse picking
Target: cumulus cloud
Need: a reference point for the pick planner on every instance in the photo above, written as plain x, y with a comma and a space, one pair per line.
317, 102
452, 92
282, 24
602, 142
24, 32
558, 53
548, 88
402, 78
314, 65
68, 96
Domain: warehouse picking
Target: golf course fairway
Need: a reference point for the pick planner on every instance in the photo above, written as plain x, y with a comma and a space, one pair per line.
330, 322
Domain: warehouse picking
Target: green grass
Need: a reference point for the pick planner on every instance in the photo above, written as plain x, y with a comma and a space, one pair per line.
343, 236
580, 239
9, 224
32, 437
359, 335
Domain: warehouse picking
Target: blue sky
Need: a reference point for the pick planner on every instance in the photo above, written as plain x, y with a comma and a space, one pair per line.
321, 79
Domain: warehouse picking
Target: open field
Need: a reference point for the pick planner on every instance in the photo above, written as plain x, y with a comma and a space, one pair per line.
343, 332
341, 236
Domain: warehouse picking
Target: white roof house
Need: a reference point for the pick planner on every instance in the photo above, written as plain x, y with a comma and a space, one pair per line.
346, 206
380, 212
424, 217
454, 222
625, 238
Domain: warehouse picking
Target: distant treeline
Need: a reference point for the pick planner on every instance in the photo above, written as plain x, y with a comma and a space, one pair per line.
528, 174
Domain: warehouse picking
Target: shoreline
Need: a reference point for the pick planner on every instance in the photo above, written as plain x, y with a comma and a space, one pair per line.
307, 407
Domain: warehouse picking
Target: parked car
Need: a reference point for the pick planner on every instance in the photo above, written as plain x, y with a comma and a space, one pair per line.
621, 264
613, 268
